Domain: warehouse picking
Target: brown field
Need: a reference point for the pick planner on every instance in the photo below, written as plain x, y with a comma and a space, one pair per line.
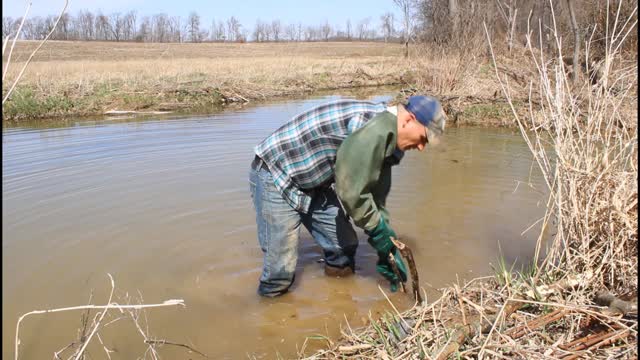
99, 76
110, 51
88, 78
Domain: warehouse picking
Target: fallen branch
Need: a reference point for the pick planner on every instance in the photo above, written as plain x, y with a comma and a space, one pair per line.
109, 305
592, 343
129, 112
463, 332
538, 322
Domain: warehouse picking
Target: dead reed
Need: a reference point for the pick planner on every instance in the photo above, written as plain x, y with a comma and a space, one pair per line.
579, 300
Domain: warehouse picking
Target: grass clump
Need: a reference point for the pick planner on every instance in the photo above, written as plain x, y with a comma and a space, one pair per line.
25, 103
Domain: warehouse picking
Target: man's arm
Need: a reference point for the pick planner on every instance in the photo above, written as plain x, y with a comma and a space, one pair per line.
359, 162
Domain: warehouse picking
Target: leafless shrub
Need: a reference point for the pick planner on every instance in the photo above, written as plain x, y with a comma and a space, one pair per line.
584, 140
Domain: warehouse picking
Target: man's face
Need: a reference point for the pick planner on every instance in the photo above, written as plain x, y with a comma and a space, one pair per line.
412, 134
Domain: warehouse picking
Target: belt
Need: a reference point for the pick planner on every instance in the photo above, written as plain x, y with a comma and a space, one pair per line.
259, 164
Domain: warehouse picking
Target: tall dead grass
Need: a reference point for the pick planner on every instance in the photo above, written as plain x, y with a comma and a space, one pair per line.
584, 141
579, 300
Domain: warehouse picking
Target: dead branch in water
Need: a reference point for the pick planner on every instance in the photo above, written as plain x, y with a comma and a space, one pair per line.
97, 324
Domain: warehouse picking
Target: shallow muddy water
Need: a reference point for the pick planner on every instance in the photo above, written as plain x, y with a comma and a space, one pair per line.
163, 205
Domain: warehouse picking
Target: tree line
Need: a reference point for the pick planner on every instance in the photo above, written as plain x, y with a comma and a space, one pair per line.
450, 22
86, 25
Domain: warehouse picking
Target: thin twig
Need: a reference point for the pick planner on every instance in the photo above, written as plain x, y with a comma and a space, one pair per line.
15, 82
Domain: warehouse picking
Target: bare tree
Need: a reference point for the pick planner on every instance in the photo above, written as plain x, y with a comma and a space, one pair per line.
217, 31
30, 28
454, 16
576, 49
103, 28
309, 33
276, 29
290, 32
221, 31
259, 31
8, 26
509, 12
160, 27
193, 27
234, 32
326, 31
387, 26
175, 32
145, 30
348, 30
129, 25
64, 28
406, 9
116, 26
86, 24
363, 29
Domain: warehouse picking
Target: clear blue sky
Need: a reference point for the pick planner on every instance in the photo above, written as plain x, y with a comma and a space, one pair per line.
314, 12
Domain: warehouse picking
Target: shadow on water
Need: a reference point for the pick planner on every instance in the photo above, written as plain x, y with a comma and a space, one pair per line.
163, 205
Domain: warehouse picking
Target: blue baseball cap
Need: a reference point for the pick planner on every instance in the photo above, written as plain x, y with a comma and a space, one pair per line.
429, 113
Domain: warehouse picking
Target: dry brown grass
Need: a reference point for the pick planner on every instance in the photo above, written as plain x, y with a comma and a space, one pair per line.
82, 78
119, 51
91, 77
580, 300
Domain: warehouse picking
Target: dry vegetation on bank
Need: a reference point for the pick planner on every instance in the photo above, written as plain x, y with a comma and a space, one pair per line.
69, 78
579, 301
79, 78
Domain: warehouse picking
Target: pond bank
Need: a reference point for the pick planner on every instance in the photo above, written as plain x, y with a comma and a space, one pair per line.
24, 106
75, 79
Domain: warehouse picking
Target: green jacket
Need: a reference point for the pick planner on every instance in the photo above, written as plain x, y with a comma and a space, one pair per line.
363, 170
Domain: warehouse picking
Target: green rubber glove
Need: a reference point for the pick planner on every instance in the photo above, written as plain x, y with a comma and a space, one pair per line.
380, 239
384, 268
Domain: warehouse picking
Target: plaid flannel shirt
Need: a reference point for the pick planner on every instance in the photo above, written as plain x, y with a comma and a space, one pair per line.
301, 154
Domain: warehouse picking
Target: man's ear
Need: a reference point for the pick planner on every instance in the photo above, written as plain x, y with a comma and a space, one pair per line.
407, 118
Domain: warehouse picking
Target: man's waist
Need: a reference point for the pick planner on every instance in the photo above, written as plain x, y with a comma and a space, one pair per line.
259, 164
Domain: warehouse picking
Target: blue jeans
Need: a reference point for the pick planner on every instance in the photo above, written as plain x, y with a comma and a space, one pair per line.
279, 225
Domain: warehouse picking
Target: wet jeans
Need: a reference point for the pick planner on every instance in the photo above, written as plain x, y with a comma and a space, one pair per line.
279, 225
